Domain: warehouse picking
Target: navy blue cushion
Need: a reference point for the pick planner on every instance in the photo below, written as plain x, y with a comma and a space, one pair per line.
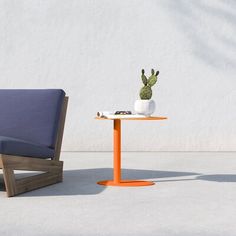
13, 146
31, 115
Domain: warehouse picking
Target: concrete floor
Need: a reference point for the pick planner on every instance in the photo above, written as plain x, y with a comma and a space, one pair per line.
195, 194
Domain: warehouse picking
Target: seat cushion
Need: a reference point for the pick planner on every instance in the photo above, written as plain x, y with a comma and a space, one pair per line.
17, 147
31, 114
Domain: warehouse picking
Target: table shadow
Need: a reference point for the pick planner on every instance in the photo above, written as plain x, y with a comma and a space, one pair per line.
218, 178
84, 181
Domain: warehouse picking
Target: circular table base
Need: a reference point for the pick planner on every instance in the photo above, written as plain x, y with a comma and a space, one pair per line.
126, 183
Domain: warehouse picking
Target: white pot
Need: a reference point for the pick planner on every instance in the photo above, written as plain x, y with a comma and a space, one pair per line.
144, 107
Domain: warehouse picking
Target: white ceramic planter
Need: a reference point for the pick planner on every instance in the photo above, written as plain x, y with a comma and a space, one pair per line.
144, 107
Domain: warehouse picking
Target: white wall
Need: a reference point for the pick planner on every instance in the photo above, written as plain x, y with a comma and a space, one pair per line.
95, 51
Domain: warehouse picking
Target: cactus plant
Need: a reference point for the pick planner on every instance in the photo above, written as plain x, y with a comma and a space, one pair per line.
146, 90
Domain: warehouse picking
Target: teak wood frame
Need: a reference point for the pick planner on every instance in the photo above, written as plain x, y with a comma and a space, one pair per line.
53, 168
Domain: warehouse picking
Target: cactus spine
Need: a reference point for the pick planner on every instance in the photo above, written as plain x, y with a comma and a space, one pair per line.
146, 90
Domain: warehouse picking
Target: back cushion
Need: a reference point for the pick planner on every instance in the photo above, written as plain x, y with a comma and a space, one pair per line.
31, 114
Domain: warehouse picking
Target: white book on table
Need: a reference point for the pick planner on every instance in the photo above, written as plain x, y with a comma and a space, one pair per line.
124, 116
111, 115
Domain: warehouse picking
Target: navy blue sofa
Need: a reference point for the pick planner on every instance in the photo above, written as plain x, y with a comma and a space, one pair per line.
31, 130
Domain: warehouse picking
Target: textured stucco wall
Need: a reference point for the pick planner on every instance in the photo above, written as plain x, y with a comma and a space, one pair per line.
95, 51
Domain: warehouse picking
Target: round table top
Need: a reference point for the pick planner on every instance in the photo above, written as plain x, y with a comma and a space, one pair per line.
134, 118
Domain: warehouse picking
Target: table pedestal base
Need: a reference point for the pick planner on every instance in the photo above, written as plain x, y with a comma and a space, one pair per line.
117, 178
126, 183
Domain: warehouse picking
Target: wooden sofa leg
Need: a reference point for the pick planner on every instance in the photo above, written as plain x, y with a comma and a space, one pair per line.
10, 182
52, 173
37, 181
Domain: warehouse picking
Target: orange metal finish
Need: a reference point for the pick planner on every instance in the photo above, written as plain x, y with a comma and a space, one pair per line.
138, 118
117, 151
117, 159
126, 183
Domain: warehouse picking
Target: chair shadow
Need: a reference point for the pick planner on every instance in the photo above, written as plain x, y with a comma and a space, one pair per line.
218, 178
84, 181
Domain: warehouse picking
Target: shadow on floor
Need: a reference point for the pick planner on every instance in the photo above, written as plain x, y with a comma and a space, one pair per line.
223, 178
218, 178
84, 181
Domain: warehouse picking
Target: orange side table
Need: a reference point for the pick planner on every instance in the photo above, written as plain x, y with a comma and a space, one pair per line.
117, 181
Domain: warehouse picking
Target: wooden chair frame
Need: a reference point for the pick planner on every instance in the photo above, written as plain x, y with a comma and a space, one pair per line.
53, 168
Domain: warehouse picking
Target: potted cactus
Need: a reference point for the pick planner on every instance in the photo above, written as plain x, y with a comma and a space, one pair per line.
146, 106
